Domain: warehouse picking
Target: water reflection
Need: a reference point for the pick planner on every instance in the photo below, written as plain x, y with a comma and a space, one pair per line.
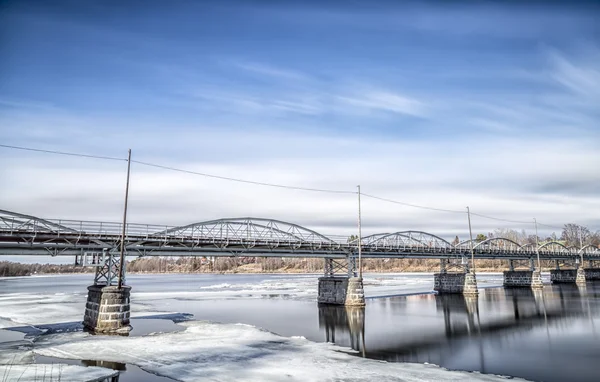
518, 332
345, 321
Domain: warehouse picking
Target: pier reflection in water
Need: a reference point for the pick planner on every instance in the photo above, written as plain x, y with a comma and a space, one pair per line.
346, 321
549, 335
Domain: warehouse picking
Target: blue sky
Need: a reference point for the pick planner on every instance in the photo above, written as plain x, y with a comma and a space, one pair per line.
474, 103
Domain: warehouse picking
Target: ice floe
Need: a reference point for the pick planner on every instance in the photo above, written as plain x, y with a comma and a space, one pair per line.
55, 372
234, 352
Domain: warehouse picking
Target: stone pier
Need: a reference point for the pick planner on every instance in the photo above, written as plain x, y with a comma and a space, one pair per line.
563, 275
341, 290
465, 283
518, 279
107, 309
578, 276
523, 279
592, 274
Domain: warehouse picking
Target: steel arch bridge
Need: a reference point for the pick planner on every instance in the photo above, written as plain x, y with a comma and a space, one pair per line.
22, 234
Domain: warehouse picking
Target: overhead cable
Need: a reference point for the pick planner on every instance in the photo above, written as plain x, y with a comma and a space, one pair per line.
243, 180
63, 153
270, 184
412, 205
501, 219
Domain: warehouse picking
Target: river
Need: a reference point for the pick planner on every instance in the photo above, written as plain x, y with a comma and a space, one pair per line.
551, 335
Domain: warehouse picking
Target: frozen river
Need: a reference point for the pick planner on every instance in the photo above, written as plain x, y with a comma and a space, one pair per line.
269, 327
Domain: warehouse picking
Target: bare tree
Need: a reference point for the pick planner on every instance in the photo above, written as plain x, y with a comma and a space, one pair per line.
455, 241
511, 234
573, 234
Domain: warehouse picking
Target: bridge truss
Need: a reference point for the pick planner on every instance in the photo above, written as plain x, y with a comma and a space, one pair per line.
28, 235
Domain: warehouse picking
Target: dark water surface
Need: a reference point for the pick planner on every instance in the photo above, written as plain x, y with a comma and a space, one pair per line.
551, 335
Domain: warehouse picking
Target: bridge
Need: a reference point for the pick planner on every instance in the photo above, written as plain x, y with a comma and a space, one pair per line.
93, 243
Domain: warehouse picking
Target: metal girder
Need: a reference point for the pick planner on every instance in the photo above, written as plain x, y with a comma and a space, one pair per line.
108, 273
23, 234
345, 266
460, 264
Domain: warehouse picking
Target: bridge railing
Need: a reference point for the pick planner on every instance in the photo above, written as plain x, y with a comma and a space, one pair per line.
77, 227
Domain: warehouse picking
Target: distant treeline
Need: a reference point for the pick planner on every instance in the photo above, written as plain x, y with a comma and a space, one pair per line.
250, 265
8, 268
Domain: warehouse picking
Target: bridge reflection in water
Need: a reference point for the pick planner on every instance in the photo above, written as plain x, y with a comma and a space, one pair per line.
539, 335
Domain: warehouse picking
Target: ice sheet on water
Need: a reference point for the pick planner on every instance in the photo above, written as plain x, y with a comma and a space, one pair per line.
17, 352
45, 310
233, 352
54, 372
301, 288
27, 308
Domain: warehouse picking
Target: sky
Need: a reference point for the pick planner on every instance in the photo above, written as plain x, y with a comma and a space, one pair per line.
494, 106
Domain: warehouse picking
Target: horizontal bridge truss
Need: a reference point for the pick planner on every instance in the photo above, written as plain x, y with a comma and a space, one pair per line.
28, 235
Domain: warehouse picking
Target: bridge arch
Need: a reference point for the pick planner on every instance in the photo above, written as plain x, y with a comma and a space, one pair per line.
14, 221
528, 248
250, 230
497, 244
407, 239
589, 250
553, 248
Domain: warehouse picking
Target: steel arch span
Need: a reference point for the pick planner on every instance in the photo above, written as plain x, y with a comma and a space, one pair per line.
16, 222
250, 232
22, 234
406, 240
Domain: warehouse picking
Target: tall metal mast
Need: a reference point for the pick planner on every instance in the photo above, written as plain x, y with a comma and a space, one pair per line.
471, 241
359, 237
122, 257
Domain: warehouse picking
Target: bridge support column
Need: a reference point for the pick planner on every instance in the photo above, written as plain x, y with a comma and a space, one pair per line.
536, 280
355, 296
465, 283
592, 274
470, 288
563, 276
341, 290
580, 276
517, 279
107, 309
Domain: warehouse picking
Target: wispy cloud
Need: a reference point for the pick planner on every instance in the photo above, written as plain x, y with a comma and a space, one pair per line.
386, 101
491, 117
272, 71
581, 77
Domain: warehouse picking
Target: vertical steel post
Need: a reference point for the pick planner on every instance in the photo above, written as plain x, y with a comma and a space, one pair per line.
122, 257
581, 246
537, 250
359, 237
471, 241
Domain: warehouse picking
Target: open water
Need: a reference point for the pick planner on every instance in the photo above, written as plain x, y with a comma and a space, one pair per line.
551, 335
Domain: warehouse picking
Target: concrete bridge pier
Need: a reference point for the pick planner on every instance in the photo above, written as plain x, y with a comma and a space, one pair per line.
562, 276
592, 274
580, 278
530, 278
455, 282
107, 308
339, 289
